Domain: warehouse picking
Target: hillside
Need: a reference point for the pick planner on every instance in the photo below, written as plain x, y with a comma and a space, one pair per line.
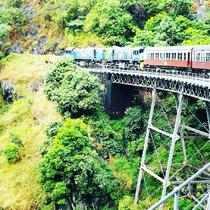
50, 26
58, 146
27, 118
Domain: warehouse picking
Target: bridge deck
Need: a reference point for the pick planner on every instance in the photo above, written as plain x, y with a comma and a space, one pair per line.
192, 84
191, 78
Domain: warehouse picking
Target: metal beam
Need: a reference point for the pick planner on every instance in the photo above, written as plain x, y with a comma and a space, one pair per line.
146, 142
208, 115
161, 131
196, 131
201, 201
153, 174
174, 139
177, 189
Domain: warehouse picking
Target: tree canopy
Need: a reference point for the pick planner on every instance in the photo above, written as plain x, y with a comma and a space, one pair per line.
76, 91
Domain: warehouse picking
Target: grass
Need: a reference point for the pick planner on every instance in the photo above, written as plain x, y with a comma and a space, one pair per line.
28, 118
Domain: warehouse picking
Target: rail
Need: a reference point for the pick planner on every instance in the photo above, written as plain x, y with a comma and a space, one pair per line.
177, 190
189, 77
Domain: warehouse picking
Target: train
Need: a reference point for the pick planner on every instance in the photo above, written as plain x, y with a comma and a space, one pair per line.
182, 58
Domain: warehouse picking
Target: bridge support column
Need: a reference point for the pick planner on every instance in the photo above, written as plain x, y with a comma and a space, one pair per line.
154, 95
208, 115
174, 137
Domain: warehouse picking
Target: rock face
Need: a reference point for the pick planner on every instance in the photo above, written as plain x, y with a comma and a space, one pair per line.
202, 10
39, 46
8, 92
16, 48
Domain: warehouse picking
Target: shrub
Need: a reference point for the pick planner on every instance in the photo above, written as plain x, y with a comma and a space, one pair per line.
12, 153
16, 139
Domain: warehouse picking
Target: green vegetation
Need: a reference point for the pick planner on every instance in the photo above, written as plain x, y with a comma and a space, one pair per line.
122, 22
12, 20
12, 153
83, 23
82, 159
78, 156
75, 91
22, 128
79, 175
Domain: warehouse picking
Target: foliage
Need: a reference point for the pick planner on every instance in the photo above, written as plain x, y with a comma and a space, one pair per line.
53, 128
144, 38
28, 119
15, 3
76, 91
51, 131
17, 18
111, 22
134, 123
12, 153
127, 203
109, 140
79, 175
125, 170
164, 29
16, 140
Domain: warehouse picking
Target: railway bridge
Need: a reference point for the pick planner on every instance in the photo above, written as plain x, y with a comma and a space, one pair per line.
183, 85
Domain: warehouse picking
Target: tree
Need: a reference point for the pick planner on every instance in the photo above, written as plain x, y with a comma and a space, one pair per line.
144, 38
76, 91
182, 7
71, 171
109, 141
134, 123
196, 37
111, 22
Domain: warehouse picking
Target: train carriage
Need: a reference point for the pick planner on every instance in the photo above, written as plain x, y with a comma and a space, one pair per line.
176, 56
201, 57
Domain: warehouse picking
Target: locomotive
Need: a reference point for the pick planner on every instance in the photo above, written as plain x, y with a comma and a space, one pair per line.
184, 58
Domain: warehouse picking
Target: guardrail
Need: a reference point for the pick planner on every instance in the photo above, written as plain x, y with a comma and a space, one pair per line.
158, 72
177, 190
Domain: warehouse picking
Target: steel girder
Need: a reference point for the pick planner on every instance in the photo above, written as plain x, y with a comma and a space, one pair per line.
193, 90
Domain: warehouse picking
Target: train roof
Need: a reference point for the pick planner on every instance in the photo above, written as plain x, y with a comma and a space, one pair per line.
169, 48
202, 47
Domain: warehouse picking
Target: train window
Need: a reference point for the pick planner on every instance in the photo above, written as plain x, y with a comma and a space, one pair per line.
136, 52
168, 56
161, 56
152, 56
185, 56
208, 57
198, 56
179, 56
94, 53
203, 56
156, 56
173, 56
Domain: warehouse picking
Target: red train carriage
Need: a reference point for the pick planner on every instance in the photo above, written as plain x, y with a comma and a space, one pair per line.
176, 56
201, 57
